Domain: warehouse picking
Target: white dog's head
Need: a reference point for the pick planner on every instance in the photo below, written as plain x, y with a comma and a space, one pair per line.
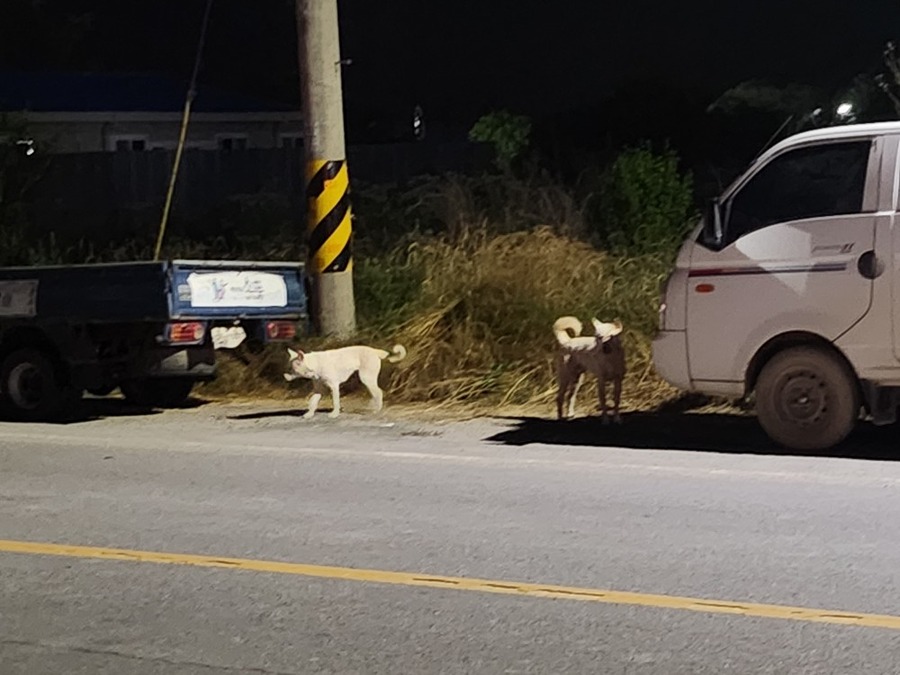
607, 331
297, 366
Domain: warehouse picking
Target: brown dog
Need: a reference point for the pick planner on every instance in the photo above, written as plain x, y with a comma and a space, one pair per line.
603, 355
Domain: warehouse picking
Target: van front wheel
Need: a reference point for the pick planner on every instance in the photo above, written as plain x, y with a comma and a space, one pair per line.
807, 399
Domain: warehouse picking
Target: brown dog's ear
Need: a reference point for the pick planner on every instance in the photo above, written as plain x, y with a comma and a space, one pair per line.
607, 331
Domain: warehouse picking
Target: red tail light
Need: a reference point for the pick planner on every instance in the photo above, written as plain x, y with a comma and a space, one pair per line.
188, 332
281, 330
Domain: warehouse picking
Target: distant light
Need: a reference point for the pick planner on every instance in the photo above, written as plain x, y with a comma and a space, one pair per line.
844, 109
418, 123
28, 144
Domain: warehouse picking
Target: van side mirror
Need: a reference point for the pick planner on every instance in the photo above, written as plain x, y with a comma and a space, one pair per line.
712, 224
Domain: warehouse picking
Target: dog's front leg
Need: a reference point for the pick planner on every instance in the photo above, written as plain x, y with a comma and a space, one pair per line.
574, 395
335, 400
562, 386
560, 399
601, 394
313, 404
617, 396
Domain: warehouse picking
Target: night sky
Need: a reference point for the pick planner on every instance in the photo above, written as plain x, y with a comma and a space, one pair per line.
460, 59
539, 55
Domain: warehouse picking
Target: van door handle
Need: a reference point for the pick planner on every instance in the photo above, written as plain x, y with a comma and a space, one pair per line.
869, 265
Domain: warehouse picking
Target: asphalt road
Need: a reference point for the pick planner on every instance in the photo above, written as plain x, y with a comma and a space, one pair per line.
258, 542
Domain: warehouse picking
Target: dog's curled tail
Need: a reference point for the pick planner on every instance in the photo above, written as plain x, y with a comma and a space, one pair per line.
563, 325
399, 353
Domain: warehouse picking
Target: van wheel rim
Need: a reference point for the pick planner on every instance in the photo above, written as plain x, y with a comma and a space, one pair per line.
803, 399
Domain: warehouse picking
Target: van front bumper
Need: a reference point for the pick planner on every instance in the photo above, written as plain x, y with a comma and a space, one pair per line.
670, 358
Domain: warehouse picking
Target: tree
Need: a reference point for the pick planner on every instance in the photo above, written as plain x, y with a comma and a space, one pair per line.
889, 82
760, 95
508, 133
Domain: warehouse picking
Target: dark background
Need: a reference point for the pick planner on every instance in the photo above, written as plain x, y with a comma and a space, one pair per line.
592, 75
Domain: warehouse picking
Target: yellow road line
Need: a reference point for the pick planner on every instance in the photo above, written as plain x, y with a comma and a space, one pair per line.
465, 584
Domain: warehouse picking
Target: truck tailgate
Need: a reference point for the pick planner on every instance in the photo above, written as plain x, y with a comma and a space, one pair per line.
203, 289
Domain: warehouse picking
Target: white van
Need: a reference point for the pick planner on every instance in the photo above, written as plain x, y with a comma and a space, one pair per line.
789, 287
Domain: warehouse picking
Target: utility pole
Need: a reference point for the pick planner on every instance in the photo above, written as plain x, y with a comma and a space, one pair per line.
327, 183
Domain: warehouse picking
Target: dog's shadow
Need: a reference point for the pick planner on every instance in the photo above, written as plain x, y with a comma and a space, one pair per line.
268, 414
708, 432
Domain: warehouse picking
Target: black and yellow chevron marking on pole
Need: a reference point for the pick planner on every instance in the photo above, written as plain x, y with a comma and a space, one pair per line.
328, 193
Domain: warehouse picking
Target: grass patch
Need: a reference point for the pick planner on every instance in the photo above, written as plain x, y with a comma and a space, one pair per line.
470, 274
475, 312
481, 329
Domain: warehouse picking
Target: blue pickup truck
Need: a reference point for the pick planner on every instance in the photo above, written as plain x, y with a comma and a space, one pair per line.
149, 328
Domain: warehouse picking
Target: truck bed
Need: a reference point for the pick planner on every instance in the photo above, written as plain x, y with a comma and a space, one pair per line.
154, 291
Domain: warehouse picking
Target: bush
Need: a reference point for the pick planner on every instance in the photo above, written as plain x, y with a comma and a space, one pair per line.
388, 217
477, 272
645, 204
386, 288
480, 329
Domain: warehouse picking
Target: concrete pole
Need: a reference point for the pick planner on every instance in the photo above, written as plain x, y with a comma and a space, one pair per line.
327, 181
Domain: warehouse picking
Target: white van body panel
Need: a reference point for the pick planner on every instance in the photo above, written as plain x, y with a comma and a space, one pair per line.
771, 282
798, 276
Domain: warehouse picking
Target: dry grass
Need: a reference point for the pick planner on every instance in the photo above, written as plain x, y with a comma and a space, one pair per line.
479, 332
491, 301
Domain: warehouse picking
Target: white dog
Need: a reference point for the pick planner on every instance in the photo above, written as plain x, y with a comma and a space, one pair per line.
333, 367
601, 354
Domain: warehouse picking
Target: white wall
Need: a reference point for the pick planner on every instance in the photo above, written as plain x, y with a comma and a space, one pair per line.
96, 132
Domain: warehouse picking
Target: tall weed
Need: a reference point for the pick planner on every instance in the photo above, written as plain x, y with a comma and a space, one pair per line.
483, 330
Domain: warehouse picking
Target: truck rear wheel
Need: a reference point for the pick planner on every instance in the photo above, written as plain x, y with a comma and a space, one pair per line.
169, 392
32, 390
807, 399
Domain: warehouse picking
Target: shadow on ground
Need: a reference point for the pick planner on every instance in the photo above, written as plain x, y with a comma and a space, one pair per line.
298, 412
727, 433
91, 409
